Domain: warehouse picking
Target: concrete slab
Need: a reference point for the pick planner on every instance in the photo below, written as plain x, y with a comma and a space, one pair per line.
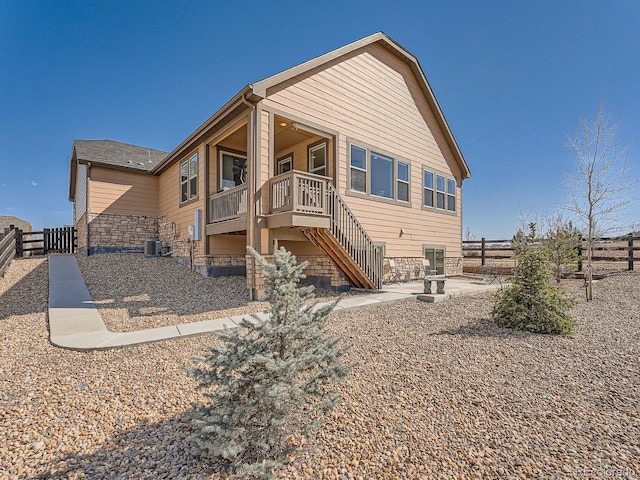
75, 322
206, 326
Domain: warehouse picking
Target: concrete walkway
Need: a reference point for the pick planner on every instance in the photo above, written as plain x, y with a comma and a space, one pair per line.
75, 323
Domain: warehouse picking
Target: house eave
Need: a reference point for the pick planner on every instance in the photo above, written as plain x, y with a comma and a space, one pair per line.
244, 99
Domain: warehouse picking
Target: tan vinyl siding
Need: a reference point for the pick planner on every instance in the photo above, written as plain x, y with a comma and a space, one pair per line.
169, 196
228, 245
81, 193
371, 96
122, 192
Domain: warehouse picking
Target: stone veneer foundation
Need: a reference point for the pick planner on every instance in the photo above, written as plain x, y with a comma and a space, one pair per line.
115, 233
414, 269
320, 272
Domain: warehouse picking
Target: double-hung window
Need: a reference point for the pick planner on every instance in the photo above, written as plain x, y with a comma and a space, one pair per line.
358, 169
451, 195
378, 175
402, 179
189, 179
427, 196
438, 191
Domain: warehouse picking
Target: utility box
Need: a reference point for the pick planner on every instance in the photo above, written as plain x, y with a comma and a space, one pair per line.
196, 232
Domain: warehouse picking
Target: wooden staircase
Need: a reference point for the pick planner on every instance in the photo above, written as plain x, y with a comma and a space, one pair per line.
347, 244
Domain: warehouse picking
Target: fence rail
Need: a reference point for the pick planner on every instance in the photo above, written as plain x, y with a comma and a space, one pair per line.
606, 252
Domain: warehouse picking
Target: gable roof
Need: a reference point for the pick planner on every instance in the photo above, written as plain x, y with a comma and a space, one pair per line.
117, 154
253, 93
261, 87
112, 154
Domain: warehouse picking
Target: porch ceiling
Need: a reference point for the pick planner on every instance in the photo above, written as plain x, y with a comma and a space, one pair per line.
286, 135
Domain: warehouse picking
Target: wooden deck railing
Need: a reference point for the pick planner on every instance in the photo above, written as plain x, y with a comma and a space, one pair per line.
228, 205
299, 192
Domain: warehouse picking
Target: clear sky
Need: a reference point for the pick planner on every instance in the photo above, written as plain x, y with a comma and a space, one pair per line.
513, 79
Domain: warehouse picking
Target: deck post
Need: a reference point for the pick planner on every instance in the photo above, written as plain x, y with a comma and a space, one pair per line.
630, 254
483, 247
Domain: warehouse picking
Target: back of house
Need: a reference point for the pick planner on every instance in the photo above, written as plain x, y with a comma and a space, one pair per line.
346, 160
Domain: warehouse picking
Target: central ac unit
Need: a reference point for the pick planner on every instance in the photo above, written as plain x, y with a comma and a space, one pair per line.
152, 247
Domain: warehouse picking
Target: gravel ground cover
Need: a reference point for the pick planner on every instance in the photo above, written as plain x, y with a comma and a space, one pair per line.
438, 392
134, 293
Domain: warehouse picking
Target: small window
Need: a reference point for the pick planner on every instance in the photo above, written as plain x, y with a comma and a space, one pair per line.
451, 195
189, 179
233, 170
358, 169
318, 159
428, 189
285, 164
381, 176
403, 181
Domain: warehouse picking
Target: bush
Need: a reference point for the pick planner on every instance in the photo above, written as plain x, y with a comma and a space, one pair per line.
267, 384
533, 302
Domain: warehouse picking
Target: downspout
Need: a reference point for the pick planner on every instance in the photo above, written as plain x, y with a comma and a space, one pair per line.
252, 181
88, 212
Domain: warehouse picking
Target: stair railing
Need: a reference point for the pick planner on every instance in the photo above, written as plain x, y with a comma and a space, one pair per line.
350, 234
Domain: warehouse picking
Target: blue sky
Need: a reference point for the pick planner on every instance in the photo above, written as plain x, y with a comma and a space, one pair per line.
513, 79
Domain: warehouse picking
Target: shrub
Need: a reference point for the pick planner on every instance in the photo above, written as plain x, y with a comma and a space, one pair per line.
533, 302
267, 384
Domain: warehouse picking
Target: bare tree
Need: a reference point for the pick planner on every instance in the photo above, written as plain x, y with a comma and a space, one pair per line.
599, 190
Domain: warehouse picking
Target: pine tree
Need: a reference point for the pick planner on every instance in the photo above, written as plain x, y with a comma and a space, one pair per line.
562, 242
533, 302
268, 384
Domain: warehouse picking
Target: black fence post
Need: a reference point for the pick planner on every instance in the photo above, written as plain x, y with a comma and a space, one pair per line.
45, 240
483, 251
630, 243
19, 247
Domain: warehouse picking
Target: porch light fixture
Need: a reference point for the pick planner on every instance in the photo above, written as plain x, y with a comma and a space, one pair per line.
283, 124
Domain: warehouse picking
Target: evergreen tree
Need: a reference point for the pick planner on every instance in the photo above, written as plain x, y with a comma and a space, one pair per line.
533, 302
267, 384
562, 241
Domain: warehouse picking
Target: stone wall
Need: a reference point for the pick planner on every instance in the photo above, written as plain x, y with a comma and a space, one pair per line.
320, 272
413, 269
114, 233
81, 227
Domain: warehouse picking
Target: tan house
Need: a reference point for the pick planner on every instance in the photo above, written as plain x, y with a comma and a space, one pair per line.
346, 160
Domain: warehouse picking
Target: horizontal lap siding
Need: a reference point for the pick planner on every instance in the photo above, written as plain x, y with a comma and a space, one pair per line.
120, 192
169, 197
372, 97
